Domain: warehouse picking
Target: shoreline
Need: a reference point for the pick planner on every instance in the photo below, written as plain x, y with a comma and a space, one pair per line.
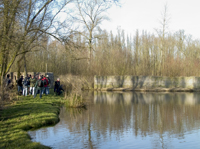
25, 114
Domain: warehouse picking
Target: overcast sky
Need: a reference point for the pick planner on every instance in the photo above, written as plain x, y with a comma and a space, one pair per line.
145, 15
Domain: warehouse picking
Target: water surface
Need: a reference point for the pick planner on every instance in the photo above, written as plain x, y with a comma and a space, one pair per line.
127, 120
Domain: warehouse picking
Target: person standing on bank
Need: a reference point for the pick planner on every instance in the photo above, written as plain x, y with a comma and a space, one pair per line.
25, 86
39, 85
32, 85
57, 85
28, 79
45, 81
7, 82
49, 84
19, 84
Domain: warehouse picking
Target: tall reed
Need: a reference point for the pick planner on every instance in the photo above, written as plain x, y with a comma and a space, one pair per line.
75, 101
73, 86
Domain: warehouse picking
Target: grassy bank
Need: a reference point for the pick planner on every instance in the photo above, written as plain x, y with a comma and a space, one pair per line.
24, 114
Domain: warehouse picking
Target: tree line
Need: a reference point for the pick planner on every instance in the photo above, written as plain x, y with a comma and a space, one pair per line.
33, 38
140, 54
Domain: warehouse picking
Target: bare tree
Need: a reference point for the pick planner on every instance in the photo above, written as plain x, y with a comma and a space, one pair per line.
22, 23
164, 22
90, 14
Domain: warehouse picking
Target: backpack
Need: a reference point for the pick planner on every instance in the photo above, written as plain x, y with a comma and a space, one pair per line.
19, 82
40, 83
45, 82
28, 81
25, 83
49, 81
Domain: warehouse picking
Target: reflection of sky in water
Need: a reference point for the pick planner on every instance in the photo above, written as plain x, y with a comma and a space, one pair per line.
130, 124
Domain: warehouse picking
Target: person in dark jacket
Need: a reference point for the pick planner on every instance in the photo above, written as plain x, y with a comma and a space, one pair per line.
28, 79
57, 84
19, 84
57, 87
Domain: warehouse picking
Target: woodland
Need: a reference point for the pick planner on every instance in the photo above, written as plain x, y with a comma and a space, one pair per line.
65, 37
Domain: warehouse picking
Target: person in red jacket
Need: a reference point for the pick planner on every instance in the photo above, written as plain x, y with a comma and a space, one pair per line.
45, 80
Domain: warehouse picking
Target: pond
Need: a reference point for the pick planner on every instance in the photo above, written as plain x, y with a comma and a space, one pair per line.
127, 120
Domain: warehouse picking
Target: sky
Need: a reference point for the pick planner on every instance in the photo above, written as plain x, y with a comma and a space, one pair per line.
145, 15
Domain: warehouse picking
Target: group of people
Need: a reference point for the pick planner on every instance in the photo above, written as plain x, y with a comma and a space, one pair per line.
40, 84
33, 85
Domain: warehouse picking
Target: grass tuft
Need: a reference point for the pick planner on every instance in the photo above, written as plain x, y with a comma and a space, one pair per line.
75, 101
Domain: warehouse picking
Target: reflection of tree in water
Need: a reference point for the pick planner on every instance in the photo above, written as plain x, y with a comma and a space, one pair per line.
142, 114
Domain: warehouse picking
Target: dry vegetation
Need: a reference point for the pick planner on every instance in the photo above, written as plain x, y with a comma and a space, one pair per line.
76, 83
120, 55
73, 86
9, 97
87, 50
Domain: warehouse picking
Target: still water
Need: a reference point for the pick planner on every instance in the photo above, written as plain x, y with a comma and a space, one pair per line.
127, 120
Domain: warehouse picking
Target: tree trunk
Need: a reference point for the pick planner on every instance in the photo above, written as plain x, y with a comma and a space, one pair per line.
25, 69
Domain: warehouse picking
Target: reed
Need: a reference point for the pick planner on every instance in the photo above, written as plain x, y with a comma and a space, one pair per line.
73, 86
75, 101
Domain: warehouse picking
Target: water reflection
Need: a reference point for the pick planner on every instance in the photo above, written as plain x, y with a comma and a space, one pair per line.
127, 120
147, 98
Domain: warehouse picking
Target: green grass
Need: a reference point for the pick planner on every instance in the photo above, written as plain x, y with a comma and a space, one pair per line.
25, 114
